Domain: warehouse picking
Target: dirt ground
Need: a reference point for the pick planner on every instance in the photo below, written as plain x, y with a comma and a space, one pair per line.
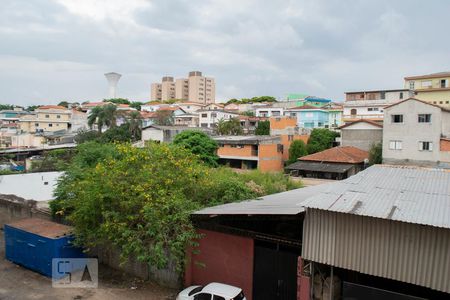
18, 283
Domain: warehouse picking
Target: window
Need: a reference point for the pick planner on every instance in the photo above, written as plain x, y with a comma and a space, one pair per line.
202, 296
290, 137
196, 290
383, 95
353, 111
47, 116
239, 297
213, 115
444, 83
276, 113
204, 115
395, 145
36, 124
293, 114
401, 95
396, 118
425, 146
215, 297
424, 118
427, 84
58, 116
50, 125
411, 85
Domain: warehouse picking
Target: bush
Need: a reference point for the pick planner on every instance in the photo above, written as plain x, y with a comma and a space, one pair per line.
263, 128
296, 150
375, 154
321, 139
200, 144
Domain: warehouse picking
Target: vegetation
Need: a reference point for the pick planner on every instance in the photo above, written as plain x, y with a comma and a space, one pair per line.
6, 107
321, 139
375, 154
199, 144
229, 127
140, 199
263, 128
296, 150
248, 113
253, 100
105, 115
163, 117
135, 104
53, 160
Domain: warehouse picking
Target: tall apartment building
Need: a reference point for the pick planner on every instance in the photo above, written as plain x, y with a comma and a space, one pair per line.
196, 88
432, 88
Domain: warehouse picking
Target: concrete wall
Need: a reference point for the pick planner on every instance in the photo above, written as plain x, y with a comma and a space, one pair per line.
222, 258
13, 208
361, 138
152, 134
410, 132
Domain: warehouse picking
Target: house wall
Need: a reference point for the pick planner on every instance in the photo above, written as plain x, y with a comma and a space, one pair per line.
395, 250
410, 132
228, 150
270, 159
152, 134
223, 258
360, 137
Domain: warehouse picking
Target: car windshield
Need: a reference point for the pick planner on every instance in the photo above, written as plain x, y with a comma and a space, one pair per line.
239, 297
196, 290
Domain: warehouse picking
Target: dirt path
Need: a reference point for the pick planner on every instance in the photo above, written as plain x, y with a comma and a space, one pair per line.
18, 283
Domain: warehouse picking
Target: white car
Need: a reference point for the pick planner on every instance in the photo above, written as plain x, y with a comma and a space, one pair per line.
212, 291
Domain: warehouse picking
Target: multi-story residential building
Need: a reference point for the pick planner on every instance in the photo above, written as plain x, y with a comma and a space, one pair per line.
209, 117
187, 119
46, 118
309, 116
153, 106
156, 92
416, 132
196, 88
288, 131
369, 104
249, 124
190, 107
335, 112
433, 88
251, 152
269, 111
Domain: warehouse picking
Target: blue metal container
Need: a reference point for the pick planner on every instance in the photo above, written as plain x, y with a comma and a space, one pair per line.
33, 243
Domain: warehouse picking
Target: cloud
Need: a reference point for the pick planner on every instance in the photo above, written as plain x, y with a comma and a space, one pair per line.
54, 49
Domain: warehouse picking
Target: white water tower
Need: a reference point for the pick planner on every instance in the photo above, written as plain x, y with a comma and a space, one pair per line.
113, 79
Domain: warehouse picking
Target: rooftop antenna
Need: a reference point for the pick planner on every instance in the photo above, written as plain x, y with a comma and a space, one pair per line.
113, 79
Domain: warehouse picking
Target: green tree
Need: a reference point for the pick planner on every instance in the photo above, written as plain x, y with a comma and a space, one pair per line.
164, 117
105, 115
297, 150
134, 121
200, 144
249, 113
321, 139
376, 154
136, 104
117, 101
32, 107
253, 100
229, 127
140, 199
117, 134
84, 136
6, 107
64, 103
263, 128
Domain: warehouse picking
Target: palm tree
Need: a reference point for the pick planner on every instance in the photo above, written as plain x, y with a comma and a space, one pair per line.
97, 117
110, 115
135, 124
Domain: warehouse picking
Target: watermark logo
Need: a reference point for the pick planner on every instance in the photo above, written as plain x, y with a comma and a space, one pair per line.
75, 273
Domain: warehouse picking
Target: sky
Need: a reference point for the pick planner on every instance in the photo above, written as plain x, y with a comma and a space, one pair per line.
55, 50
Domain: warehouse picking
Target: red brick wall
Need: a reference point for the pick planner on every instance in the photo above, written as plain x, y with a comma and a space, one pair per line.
445, 145
222, 258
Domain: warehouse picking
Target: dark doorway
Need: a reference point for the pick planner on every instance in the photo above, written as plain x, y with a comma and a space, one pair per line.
275, 272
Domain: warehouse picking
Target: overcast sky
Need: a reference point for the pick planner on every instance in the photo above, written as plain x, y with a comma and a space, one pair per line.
53, 50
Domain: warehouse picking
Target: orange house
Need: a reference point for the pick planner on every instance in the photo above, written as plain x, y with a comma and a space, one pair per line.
264, 153
286, 128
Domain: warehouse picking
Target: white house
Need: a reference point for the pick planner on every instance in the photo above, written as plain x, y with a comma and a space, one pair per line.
209, 117
416, 132
269, 111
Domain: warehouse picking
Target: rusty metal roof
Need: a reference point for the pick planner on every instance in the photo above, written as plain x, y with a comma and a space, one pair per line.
42, 227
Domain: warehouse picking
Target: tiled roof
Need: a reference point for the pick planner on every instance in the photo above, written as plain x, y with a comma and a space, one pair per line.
341, 154
362, 120
305, 107
52, 107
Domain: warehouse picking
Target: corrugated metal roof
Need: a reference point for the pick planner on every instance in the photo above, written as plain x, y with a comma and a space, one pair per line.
320, 166
286, 203
42, 227
30, 186
406, 194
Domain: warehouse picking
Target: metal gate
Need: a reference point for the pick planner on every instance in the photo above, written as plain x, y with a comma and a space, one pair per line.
275, 272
